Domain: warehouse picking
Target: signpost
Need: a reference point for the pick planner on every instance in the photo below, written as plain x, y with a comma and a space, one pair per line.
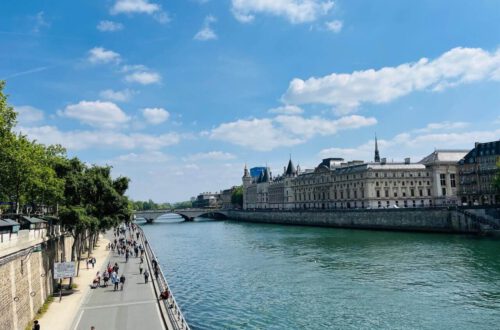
63, 270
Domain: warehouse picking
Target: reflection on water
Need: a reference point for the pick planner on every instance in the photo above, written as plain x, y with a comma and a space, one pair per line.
231, 275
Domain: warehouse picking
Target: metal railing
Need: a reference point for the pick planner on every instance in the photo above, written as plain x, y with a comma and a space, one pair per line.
174, 312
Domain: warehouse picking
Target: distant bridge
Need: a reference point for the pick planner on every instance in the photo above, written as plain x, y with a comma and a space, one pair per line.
186, 214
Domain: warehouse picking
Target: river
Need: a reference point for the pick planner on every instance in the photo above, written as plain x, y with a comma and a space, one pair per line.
233, 275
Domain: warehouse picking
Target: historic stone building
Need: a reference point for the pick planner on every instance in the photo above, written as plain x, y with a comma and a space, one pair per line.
445, 181
335, 184
266, 192
477, 171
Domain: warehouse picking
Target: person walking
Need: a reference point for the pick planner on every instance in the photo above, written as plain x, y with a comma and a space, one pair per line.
122, 281
114, 280
36, 325
157, 273
140, 269
93, 262
146, 276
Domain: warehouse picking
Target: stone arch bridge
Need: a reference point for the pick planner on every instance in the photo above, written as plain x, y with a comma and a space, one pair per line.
186, 214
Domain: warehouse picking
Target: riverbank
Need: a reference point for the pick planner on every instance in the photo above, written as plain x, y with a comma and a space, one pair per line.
411, 219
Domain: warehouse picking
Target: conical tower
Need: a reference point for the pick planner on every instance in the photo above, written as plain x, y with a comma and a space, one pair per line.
377, 155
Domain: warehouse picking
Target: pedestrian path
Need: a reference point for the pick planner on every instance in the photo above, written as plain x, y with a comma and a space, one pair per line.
134, 307
61, 314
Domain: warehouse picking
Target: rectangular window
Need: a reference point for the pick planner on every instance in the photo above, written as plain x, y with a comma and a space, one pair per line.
443, 191
442, 179
378, 193
452, 180
420, 192
428, 192
387, 193
412, 192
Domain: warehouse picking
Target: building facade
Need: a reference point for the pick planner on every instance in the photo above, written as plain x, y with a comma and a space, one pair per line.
336, 184
477, 170
445, 175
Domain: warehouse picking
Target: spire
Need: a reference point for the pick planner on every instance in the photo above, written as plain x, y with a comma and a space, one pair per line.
377, 155
246, 174
290, 170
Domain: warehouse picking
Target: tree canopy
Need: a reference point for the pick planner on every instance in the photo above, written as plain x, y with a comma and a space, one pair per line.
36, 177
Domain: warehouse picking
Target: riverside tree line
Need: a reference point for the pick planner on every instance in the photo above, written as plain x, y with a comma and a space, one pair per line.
85, 198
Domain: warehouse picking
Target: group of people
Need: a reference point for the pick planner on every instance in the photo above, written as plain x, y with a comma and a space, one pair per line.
126, 246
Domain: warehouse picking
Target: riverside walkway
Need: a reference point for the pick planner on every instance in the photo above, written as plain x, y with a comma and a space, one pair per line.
136, 306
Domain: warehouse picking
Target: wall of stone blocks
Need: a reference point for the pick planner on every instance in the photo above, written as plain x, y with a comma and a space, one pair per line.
26, 282
430, 220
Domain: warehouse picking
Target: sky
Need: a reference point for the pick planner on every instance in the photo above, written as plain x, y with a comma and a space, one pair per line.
179, 95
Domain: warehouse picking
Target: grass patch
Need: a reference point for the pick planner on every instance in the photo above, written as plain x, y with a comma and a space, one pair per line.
40, 312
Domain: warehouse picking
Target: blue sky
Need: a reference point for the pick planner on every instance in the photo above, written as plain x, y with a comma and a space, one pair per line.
179, 95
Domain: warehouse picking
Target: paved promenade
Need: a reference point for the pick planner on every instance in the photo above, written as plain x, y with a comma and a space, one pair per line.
133, 308
60, 315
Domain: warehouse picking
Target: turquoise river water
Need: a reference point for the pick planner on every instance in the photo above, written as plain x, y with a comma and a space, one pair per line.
232, 275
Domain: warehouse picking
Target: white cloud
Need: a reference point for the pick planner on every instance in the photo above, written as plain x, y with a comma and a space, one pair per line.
117, 96
98, 55
442, 126
96, 113
153, 156
418, 144
287, 110
155, 116
257, 134
109, 26
134, 6
140, 7
206, 32
283, 131
27, 114
212, 155
295, 11
334, 26
100, 139
309, 127
143, 77
348, 91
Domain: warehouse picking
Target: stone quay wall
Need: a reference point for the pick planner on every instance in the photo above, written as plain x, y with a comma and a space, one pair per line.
424, 220
26, 280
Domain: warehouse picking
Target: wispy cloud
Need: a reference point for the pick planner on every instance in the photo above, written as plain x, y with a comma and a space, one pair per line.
207, 32
334, 26
22, 73
40, 22
109, 26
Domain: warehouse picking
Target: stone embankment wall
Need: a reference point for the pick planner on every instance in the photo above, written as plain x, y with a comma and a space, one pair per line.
427, 220
26, 281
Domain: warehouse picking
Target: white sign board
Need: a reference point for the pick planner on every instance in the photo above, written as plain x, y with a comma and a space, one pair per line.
64, 269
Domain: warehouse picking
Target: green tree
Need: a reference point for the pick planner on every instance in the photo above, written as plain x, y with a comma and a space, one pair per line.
237, 196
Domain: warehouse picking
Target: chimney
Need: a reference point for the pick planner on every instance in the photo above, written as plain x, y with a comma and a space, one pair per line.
407, 160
